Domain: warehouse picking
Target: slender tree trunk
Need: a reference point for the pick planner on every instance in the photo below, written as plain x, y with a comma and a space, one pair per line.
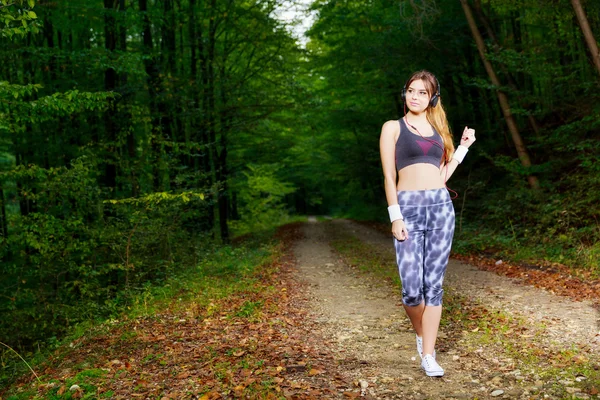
587, 33
223, 175
54, 135
203, 123
126, 117
168, 34
193, 80
153, 81
110, 83
3, 222
212, 111
502, 99
205, 131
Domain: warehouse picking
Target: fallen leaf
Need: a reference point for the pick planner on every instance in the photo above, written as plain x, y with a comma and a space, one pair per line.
183, 375
239, 390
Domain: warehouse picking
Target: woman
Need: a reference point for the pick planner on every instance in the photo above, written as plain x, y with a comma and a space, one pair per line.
418, 157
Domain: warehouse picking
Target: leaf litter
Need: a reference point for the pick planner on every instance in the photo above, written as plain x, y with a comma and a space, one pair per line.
266, 343
226, 350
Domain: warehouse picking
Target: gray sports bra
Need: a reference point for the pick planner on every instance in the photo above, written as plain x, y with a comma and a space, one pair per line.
412, 148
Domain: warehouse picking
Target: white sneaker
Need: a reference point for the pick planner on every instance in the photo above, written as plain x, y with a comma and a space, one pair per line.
431, 367
420, 347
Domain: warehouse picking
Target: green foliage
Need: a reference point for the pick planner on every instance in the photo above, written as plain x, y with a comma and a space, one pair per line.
82, 252
115, 150
261, 197
17, 18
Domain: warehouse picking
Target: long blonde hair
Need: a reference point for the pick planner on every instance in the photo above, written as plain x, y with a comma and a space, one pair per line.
435, 115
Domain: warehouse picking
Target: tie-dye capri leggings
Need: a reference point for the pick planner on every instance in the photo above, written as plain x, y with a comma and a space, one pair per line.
423, 257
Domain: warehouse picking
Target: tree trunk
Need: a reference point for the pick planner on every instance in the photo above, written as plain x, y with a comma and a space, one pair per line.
211, 111
151, 67
223, 176
3, 222
587, 33
126, 117
502, 99
201, 131
191, 162
110, 83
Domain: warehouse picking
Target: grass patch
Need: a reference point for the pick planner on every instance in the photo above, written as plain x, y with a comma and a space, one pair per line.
525, 247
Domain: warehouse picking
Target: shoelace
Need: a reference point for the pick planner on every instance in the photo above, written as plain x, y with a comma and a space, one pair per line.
429, 361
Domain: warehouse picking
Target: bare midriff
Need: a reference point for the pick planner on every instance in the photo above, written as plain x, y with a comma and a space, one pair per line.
419, 177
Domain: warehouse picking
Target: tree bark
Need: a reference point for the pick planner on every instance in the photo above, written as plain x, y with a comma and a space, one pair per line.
223, 176
153, 82
201, 131
502, 98
3, 222
191, 161
587, 33
110, 83
126, 117
211, 112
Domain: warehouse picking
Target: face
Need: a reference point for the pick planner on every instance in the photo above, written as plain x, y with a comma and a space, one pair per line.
417, 98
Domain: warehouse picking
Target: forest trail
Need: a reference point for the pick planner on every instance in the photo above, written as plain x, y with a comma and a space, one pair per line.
362, 316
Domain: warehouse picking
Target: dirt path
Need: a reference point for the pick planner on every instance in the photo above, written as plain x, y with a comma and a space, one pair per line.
577, 321
374, 340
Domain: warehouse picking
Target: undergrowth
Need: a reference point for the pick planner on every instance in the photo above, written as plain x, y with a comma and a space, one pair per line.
193, 289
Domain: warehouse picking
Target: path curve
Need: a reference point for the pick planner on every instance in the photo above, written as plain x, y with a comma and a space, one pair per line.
567, 322
373, 339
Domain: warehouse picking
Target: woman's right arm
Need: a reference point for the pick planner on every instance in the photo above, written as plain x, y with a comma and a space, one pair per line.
387, 150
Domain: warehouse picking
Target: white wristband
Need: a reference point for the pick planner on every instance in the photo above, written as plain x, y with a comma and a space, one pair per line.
460, 153
395, 213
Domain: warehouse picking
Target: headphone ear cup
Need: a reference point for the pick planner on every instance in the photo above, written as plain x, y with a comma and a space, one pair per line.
434, 100
403, 95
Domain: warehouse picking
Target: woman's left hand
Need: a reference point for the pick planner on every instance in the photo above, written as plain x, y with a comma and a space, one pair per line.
468, 137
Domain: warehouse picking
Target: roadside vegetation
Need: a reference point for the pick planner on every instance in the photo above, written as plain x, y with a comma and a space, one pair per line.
224, 327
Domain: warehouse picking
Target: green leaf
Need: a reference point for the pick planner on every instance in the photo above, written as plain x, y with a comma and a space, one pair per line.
31, 3
32, 15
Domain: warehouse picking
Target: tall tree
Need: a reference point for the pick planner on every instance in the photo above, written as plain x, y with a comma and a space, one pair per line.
587, 33
502, 98
110, 84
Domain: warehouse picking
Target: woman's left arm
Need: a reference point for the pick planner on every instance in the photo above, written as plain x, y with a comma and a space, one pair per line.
467, 139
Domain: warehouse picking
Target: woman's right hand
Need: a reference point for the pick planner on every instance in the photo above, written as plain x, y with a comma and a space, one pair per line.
399, 230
